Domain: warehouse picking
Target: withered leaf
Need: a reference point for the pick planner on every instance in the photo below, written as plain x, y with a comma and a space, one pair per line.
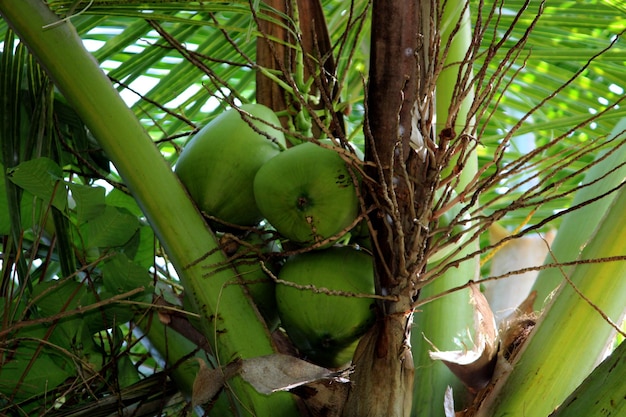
475, 367
210, 381
279, 372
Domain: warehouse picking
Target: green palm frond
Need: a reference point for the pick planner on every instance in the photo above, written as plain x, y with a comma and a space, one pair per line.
172, 96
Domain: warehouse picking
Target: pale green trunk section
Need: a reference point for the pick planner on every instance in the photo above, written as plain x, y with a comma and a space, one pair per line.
571, 335
441, 321
231, 323
173, 347
577, 228
602, 393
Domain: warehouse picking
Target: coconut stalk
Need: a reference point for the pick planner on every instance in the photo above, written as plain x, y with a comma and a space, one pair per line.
231, 323
576, 327
382, 383
181, 355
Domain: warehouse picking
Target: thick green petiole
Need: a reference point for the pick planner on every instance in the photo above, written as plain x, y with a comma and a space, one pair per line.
575, 329
602, 392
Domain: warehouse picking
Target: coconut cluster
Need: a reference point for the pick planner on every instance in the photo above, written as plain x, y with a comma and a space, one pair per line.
240, 173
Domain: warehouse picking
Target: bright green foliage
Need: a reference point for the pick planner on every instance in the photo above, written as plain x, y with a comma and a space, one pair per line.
84, 242
41, 178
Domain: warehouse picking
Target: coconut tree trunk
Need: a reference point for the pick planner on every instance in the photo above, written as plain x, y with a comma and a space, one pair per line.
400, 192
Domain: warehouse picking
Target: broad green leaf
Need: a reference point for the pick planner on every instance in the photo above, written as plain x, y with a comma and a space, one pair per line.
89, 202
38, 370
29, 209
54, 297
43, 178
126, 372
118, 198
141, 247
38, 376
111, 315
120, 275
112, 228
601, 393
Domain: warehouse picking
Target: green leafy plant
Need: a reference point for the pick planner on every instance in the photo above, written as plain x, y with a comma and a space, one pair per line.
118, 293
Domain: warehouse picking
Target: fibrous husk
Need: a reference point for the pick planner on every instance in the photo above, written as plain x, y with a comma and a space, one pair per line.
513, 333
382, 383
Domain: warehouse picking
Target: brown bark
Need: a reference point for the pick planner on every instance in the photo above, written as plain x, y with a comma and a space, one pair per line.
317, 49
382, 383
271, 54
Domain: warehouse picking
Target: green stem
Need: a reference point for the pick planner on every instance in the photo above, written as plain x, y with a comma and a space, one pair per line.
443, 320
231, 323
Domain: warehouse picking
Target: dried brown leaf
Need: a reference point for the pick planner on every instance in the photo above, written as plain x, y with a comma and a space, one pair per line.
279, 372
475, 367
210, 381
324, 398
